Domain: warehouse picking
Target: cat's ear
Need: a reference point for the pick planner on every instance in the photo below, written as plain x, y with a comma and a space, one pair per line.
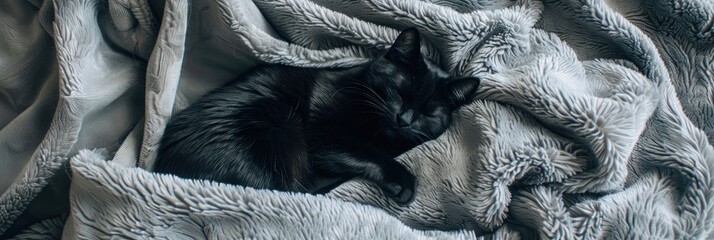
463, 90
406, 48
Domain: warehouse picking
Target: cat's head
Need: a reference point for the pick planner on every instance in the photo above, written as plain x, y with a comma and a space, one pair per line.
413, 97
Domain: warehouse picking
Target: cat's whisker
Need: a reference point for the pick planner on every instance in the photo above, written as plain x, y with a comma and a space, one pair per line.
290, 113
373, 104
299, 184
386, 111
420, 135
371, 95
375, 134
372, 91
377, 106
336, 92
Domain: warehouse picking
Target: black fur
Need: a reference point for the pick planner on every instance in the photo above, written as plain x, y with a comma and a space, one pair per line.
279, 127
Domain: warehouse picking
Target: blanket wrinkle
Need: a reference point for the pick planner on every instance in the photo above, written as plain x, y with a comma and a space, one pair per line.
594, 119
162, 77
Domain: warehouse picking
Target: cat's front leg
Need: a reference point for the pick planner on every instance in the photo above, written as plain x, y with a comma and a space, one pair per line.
392, 177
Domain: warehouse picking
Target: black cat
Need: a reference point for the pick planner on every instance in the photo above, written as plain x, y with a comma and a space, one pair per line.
279, 127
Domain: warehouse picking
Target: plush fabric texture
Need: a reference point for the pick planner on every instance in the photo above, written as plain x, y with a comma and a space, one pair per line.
594, 118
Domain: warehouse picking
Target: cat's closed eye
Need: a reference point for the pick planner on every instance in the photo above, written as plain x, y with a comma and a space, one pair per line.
433, 112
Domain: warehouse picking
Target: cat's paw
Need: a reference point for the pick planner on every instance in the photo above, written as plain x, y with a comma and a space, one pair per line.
399, 185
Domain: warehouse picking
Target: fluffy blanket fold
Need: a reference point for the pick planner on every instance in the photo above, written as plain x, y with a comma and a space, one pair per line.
594, 119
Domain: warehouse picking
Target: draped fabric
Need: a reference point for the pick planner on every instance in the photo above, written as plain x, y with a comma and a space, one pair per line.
594, 118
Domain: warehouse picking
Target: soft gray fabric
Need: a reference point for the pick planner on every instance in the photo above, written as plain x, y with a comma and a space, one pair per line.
594, 119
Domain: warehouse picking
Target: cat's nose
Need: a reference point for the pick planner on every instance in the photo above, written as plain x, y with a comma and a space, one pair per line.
405, 118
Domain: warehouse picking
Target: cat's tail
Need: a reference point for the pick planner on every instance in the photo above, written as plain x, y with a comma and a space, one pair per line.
278, 139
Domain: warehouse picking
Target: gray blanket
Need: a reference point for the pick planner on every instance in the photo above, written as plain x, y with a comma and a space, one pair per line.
594, 119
